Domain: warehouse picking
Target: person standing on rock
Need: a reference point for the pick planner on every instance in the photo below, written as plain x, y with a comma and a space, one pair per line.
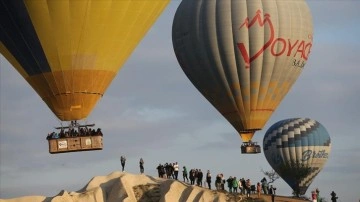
258, 189
248, 188
264, 185
200, 178
141, 163
272, 192
229, 183
122, 160
176, 170
185, 175
313, 196
218, 182
192, 176
222, 181
333, 197
235, 185
318, 198
208, 179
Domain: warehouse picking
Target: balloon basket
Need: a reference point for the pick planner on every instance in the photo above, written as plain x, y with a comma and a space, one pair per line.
77, 138
250, 148
75, 144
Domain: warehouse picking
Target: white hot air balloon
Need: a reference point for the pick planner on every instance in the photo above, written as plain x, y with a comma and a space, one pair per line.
243, 55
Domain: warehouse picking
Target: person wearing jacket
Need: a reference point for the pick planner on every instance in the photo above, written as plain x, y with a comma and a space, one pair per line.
230, 183
208, 178
235, 185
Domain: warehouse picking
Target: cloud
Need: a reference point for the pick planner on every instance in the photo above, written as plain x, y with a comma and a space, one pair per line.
154, 115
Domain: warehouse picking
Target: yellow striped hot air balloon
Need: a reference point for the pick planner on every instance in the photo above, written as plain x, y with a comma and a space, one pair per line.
243, 55
69, 51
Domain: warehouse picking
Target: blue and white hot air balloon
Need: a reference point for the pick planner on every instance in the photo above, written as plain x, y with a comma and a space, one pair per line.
297, 149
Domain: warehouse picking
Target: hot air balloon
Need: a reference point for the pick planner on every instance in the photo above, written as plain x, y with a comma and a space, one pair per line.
243, 55
297, 149
69, 51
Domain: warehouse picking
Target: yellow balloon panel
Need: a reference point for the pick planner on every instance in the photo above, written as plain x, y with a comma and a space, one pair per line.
91, 34
71, 95
70, 50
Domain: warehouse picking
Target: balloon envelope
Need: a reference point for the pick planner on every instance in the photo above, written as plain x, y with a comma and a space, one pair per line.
70, 50
294, 142
243, 55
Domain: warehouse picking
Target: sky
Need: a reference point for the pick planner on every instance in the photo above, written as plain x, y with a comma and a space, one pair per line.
152, 111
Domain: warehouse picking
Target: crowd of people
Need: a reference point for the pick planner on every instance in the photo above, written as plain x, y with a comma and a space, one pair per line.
195, 176
74, 130
74, 133
245, 187
168, 170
